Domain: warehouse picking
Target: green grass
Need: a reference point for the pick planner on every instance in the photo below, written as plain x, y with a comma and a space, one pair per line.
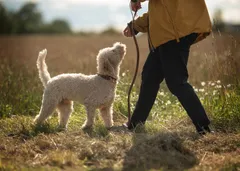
167, 142
221, 101
19, 88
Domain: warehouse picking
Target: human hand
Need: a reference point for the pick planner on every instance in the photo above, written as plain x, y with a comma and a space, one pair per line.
127, 32
135, 5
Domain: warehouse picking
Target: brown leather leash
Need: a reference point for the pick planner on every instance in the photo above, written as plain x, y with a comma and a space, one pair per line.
130, 25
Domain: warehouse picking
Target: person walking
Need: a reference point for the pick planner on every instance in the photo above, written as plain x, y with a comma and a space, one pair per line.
172, 27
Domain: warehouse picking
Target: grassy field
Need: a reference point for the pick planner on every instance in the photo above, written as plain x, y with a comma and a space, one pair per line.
167, 142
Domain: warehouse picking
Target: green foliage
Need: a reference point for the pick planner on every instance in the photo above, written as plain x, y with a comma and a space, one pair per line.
44, 147
28, 19
21, 94
58, 26
5, 19
166, 105
20, 90
110, 31
222, 103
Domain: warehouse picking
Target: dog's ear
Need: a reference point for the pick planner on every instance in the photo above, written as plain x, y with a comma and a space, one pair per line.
107, 66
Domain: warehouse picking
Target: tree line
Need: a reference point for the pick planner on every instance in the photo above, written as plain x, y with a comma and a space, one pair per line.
29, 20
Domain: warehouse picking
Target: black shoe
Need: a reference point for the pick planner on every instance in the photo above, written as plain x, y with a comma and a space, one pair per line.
204, 130
207, 129
132, 126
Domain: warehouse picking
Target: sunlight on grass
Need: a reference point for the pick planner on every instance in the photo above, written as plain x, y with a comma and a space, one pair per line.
167, 141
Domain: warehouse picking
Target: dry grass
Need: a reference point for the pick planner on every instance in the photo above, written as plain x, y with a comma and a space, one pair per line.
209, 60
65, 54
166, 148
169, 145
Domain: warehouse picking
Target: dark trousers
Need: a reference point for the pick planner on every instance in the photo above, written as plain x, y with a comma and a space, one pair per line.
169, 62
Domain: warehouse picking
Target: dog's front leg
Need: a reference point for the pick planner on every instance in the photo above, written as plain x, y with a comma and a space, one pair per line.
106, 113
90, 117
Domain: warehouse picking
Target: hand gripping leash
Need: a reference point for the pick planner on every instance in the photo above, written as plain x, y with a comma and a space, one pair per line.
130, 25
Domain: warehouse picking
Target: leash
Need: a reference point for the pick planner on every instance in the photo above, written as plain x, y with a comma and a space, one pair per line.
130, 25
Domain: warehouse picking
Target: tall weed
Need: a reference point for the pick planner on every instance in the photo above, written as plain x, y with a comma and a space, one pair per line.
20, 89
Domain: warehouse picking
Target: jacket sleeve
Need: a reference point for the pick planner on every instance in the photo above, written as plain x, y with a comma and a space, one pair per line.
141, 23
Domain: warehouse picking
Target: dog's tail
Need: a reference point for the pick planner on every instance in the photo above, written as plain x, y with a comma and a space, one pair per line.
42, 67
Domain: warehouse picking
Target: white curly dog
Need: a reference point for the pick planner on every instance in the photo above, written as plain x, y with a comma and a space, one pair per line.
93, 91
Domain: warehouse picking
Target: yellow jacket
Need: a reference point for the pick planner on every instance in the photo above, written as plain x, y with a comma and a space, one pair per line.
172, 19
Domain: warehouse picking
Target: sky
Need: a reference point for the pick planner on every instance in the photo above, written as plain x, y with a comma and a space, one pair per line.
96, 15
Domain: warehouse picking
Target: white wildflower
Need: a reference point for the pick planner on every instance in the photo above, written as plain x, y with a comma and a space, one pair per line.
123, 74
203, 83
214, 92
195, 89
212, 84
168, 102
229, 85
201, 90
218, 81
218, 86
162, 93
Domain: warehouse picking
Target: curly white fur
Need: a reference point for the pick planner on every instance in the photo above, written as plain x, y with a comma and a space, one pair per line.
92, 91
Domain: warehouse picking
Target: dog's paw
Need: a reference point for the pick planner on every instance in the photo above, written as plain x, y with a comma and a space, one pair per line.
36, 120
85, 126
109, 124
61, 128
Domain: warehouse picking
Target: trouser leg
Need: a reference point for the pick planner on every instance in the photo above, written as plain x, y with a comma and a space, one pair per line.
152, 76
174, 58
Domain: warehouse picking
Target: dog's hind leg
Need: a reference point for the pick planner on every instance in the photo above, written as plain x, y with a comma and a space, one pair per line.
65, 108
90, 117
47, 108
106, 113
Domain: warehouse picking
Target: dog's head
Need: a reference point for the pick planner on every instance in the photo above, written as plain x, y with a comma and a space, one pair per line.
114, 54
110, 58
